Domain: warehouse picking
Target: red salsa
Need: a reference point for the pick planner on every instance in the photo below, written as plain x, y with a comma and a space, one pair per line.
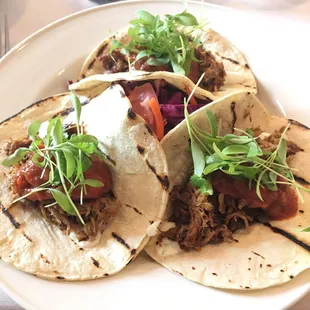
278, 205
29, 176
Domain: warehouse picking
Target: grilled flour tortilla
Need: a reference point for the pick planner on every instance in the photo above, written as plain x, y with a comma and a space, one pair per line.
238, 75
33, 244
265, 255
94, 85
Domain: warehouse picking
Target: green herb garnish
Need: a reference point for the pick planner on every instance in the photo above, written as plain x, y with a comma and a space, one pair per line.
164, 41
65, 157
237, 155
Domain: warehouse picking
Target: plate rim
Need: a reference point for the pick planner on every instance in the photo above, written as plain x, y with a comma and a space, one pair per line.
61, 20
15, 296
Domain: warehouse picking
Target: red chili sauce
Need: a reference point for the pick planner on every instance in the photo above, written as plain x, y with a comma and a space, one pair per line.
278, 205
29, 176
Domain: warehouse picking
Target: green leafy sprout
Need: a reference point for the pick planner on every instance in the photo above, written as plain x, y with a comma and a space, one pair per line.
164, 41
237, 155
65, 157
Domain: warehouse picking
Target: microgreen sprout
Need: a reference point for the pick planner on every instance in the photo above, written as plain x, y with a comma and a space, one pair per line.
65, 156
165, 42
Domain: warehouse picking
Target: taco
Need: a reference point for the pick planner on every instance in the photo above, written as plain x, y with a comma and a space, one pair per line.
239, 203
179, 44
70, 209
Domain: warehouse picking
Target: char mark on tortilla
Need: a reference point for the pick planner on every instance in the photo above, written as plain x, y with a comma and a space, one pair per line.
101, 50
95, 262
293, 122
65, 112
131, 114
44, 259
123, 95
120, 240
60, 278
247, 66
111, 160
247, 114
141, 149
301, 180
27, 237
257, 254
229, 59
70, 110
85, 102
288, 236
134, 208
178, 272
90, 66
162, 179
10, 217
133, 251
149, 130
232, 108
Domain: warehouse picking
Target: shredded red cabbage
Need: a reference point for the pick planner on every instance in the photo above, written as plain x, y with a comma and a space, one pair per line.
172, 105
170, 98
174, 113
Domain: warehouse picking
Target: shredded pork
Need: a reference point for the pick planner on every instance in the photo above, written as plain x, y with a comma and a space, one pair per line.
214, 70
117, 63
96, 213
12, 145
204, 219
269, 143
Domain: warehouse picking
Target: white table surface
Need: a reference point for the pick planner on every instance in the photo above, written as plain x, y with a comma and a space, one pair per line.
27, 16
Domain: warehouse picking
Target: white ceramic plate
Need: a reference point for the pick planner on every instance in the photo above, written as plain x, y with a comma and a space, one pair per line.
278, 53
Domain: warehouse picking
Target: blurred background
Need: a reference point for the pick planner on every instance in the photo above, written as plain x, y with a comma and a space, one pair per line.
27, 16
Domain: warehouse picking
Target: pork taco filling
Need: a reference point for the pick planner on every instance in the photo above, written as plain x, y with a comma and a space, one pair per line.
238, 180
165, 45
60, 170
